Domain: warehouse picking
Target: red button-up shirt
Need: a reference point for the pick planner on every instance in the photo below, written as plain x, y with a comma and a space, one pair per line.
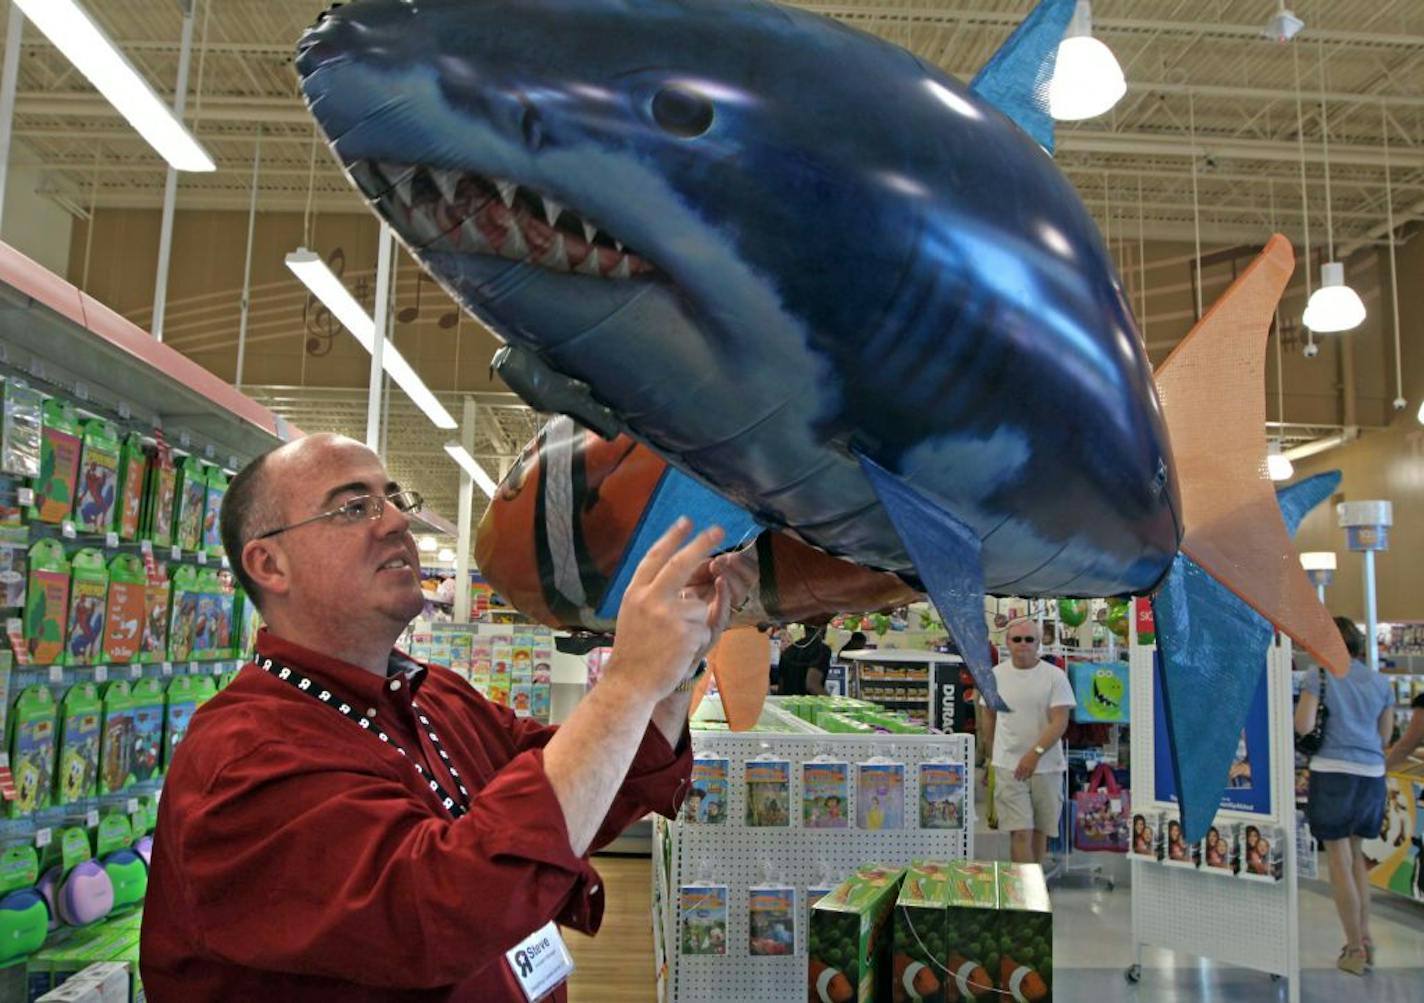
299, 858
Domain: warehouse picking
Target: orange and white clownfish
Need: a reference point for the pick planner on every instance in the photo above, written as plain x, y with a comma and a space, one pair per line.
827, 984
968, 980
913, 980
1021, 982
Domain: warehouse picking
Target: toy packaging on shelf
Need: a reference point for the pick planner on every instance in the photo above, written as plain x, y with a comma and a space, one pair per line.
125, 869
192, 496
32, 749
998, 931
825, 794
88, 599
97, 491
212, 629
116, 750
123, 619
59, 463
80, 715
183, 614
160, 497
212, 532
1261, 853
147, 703
771, 920
133, 472
851, 939
707, 799
768, 783
157, 597
880, 795
24, 917
22, 430
1177, 852
1101, 689
47, 602
14, 566
942, 795
184, 696
703, 924
12, 513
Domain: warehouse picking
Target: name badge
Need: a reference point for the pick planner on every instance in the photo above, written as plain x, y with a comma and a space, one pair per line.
540, 963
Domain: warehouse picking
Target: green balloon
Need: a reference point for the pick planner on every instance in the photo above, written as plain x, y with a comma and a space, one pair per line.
1117, 617
1073, 611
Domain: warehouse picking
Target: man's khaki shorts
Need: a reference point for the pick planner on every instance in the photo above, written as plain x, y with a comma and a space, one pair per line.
1035, 803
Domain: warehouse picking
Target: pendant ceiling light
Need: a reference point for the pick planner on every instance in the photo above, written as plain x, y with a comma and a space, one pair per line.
1334, 307
1278, 464
1087, 80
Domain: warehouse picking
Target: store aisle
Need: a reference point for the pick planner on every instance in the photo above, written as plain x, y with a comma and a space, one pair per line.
1092, 948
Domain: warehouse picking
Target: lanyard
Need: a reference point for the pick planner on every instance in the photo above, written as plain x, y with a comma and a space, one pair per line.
455, 807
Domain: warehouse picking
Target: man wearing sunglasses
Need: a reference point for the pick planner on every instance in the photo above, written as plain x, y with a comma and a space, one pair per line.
1027, 755
344, 823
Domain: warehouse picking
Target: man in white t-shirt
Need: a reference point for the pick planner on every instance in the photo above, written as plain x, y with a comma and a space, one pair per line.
1027, 749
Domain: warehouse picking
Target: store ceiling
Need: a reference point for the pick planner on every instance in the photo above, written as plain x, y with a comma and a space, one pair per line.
1210, 103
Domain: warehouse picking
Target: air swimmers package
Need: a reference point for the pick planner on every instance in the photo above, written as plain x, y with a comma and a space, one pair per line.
183, 614
21, 429
32, 748
88, 600
157, 599
146, 699
98, 487
80, 715
850, 940
123, 621
59, 463
212, 631
24, 917
217, 488
124, 867
185, 695
160, 498
133, 471
47, 602
192, 496
116, 752
1102, 692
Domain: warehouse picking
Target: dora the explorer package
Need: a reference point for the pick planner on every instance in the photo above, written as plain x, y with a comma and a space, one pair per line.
851, 940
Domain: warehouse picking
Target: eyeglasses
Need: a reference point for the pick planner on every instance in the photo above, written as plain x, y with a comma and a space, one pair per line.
360, 509
1023, 640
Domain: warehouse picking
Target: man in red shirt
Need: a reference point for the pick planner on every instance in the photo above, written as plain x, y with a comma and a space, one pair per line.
398, 853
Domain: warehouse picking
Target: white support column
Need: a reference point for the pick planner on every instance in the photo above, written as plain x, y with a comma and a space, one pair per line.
384, 248
1371, 617
247, 265
9, 77
466, 517
170, 185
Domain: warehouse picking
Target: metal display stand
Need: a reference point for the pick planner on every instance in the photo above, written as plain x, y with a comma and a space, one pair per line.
739, 857
1252, 924
1063, 869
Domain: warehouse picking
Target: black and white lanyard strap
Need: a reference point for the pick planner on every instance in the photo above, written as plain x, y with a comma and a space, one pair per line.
367, 721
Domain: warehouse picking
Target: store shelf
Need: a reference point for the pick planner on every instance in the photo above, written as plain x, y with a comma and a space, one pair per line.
897, 655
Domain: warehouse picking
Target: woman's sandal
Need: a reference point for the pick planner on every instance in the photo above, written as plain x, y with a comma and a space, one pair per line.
1351, 961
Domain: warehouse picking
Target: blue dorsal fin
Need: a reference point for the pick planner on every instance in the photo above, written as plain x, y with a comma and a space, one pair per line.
1015, 79
677, 494
1296, 500
945, 553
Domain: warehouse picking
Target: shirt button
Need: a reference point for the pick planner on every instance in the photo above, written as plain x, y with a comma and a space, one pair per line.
370, 712
594, 890
395, 684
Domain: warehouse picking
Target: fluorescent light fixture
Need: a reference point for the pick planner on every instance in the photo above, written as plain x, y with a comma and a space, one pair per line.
445, 556
1278, 465
1420, 415
325, 286
427, 544
462, 456
1318, 560
1334, 306
70, 30
1283, 25
1087, 80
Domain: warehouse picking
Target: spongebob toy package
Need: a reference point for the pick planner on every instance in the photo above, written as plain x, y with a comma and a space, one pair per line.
32, 747
80, 715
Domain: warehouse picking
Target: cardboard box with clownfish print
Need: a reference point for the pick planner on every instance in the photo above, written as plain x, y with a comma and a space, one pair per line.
851, 939
998, 934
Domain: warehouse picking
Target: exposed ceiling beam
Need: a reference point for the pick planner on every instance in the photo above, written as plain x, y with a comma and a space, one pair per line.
1150, 145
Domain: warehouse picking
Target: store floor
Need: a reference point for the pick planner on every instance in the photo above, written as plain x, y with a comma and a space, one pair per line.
1092, 945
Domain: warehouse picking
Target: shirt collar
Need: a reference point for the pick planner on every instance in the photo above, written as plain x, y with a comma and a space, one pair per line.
350, 680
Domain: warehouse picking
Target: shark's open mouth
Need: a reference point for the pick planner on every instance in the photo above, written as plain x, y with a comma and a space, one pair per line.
455, 211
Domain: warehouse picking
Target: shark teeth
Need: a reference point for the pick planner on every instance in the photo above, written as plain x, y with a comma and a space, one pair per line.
435, 207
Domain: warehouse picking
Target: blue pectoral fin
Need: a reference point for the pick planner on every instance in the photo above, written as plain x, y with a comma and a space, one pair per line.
946, 555
1015, 79
1213, 649
1296, 500
676, 495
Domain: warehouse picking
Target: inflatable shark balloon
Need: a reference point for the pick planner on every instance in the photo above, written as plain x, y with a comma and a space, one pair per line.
845, 296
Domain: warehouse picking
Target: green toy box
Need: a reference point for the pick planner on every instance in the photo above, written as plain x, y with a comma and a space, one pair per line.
920, 965
88, 604
160, 498
851, 939
32, 750
47, 602
999, 930
80, 716
97, 490
192, 498
59, 463
133, 472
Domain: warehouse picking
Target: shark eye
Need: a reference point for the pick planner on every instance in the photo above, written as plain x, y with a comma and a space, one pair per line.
682, 112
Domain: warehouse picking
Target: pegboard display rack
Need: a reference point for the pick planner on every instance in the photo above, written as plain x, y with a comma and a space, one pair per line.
1251, 924
739, 857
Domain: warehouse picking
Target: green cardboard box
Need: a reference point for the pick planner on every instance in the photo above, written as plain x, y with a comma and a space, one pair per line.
1026, 919
851, 938
998, 932
920, 915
